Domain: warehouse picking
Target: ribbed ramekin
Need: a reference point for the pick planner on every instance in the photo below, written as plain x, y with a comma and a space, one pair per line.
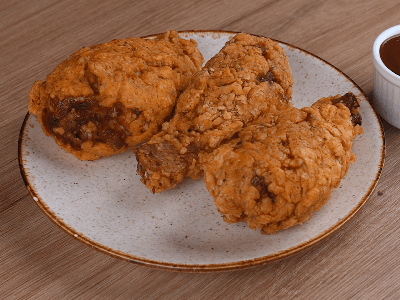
386, 93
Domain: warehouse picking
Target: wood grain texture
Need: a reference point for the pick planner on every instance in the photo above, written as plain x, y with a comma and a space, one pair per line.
40, 261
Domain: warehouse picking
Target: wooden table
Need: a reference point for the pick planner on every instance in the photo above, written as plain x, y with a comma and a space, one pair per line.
40, 261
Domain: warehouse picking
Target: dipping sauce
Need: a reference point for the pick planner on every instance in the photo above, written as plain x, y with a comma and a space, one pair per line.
390, 53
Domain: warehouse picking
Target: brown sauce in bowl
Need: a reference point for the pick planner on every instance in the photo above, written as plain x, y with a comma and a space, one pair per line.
390, 53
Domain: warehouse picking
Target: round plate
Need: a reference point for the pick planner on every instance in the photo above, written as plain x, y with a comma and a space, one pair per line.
104, 205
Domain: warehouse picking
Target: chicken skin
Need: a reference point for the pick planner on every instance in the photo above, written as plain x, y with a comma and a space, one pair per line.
248, 78
284, 166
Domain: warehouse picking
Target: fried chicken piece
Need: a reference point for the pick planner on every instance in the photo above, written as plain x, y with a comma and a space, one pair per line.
106, 98
284, 167
249, 77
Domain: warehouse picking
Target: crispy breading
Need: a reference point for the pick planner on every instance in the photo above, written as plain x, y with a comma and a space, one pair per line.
284, 166
106, 98
249, 77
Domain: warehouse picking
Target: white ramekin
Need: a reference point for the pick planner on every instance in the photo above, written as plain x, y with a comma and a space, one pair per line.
386, 93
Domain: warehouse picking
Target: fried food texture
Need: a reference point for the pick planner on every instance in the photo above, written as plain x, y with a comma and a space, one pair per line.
283, 167
107, 98
249, 77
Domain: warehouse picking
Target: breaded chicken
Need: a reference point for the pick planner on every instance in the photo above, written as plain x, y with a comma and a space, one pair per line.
248, 78
107, 98
284, 166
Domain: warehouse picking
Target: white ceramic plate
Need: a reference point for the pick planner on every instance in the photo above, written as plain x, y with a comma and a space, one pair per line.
104, 204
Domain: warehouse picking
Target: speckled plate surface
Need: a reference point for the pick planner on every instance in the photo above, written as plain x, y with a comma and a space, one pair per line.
104, 205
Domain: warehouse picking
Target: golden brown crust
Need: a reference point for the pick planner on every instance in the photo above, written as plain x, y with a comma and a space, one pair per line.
247, 78
119, 92
282, 168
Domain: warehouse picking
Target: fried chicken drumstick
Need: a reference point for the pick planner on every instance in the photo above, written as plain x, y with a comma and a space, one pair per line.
107, 98
248, 78
283, 167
